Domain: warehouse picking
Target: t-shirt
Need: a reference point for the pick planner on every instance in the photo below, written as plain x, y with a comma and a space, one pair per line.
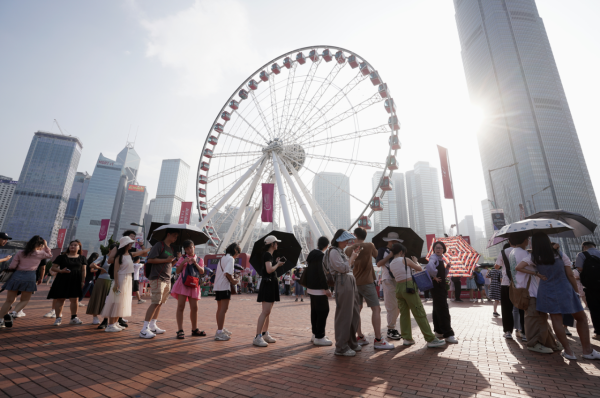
225, 266
484, 273
106, 266
287, 278
500, 262
136, 271
161, 271
363, 264
267, 257
398, 269
520, 279
381, 254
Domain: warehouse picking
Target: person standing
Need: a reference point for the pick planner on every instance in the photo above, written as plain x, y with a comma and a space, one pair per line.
389, 286
486, 285
89, 278
298, 288
25, 278
590, 255
319, 293
268, 293
441, 313
508, 320
287, 280
101, 289
456, 281
224, 279
70, 279
475, 285
137, 264
495, 277
4, 238
160, 260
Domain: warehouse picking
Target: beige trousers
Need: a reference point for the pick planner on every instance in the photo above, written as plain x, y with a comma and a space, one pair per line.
537, 329
347, 314
391, 304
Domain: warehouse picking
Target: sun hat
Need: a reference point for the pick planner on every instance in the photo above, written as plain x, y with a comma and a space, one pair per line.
270, 239
345, 236
124, 241
393, 236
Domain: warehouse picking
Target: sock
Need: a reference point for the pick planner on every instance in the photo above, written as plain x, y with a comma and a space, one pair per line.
220, 331
73, 316
145, 326
259, 335
153, 324
263, 333
376, 339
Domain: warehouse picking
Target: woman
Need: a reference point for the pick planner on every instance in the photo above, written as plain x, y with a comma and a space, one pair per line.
25, 278
495, 277
223, 281
101, 288
441, 313
183, 293
318, 291
89, 277
70, 269
475, 285
557, 295
298, 288
118, 302
268, 292
347, 314
409, 300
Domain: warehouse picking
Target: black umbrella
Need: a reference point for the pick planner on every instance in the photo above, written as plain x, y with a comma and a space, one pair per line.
153, 226
410, 239
186, 232
288, 248
581, 225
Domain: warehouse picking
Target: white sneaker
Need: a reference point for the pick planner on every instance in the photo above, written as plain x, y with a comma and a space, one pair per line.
322, 342
13, 314
357, 349
268, 338
157, 330
146, 334
594, 355
451, 340
81, 304
112, 329
382, 345
362, 341
140, 301
96, 321
326, 338
50, 314
222, 336
439, 335
408, 342
75, 321
58, 321
227, 332
118, 326
508, 335
348, 353
260, 342
19, 314
436, 343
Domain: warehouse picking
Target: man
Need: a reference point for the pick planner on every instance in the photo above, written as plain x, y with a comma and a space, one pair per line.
508, 322
592, 294
4, 238
456, 281
389, 287
160, 260
365, 277
287, 278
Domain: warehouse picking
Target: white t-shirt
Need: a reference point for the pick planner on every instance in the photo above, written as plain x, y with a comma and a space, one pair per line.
500, 261
398, 269
225, 266
287, 278
521, 277
484, 273
136, 271
106, 266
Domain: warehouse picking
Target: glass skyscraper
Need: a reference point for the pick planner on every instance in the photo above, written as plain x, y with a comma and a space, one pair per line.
75, 204
7, 189
512, 75
40, 199
172, 186
134, 207
331, 192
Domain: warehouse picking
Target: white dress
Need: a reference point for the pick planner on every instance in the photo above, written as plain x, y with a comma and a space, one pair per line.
119, 304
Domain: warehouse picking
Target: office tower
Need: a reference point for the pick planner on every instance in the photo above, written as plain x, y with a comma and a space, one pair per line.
388, 216
512, 75
424, 201
486, 207
7, 189
399, 188
172, 186
466, 227
75, 204
133, 209
151, 204
332, 194
40, 200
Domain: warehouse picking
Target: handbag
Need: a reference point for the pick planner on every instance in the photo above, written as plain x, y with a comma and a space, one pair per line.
423, 280
409, 290
519, 296
328, 275
191, 276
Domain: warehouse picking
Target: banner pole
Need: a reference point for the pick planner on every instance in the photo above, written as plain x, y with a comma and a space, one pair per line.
453, 195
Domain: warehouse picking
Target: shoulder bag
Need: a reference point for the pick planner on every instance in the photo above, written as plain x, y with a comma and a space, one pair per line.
328, 274
519, 296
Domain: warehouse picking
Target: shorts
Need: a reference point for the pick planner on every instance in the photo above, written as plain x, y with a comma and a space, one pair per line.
222, 295
369, 293
159, 291
136, 286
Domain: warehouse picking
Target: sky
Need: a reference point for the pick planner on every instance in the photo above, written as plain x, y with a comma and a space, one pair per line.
159, 72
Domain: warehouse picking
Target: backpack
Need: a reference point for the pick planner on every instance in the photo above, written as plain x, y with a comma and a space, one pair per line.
148, 266
590, 273
479, 278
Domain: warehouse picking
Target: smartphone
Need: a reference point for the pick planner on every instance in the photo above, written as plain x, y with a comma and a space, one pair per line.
282, 259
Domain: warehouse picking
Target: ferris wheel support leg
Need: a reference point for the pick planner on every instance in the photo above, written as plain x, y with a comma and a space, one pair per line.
225, 198
249, 227
282, 196
311, 222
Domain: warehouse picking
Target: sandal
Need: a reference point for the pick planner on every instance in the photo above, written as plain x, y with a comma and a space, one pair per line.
180, 335
198, 332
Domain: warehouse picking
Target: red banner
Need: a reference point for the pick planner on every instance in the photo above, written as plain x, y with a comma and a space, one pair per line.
268, 191
60, 241
446, 177
467, 238
430, 239
185, 213
104, 224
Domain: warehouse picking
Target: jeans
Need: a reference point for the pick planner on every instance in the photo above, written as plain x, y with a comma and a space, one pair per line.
441, 312
457, 287
87, 287
319, 310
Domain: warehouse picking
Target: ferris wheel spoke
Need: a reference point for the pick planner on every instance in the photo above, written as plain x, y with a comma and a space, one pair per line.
307, 82
261, 113
231, 170
252, 127
273, 103
383, 129
348, 161
230, 154
242, 139
288, 95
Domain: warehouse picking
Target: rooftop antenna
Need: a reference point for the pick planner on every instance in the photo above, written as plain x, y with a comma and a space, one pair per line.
59, 129
136, 133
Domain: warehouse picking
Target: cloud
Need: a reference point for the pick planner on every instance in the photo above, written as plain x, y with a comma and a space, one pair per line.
203, 43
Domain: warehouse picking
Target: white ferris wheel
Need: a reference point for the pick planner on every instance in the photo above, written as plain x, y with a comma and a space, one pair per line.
309, 111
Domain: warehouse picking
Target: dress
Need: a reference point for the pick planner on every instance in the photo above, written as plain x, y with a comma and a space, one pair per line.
471, 284
496, 278
180, 288
68, 285
556, 295
119, 304
269, 286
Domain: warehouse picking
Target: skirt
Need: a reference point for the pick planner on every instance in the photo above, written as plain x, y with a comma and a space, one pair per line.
98, 297
22, 281
269, 291
66, 286
180, 289
471, 284
118, 305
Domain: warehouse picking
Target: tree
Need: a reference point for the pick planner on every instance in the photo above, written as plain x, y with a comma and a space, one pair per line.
105, 249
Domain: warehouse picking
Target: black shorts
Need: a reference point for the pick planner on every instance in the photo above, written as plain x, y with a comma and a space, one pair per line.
136, 286
222, 295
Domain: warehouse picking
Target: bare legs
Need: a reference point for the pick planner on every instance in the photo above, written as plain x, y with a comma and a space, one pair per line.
582, 329
11, 297
222, 307
375, 320
181, 299
58, 304
496, 305
263, 319
152, 312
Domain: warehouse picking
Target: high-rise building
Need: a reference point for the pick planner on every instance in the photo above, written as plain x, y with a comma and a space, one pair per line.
512, 75
172, 186
399, 188
75, 204
466, 227
7, 189
40, 199
424, 201
486, 207
388, 216
133, 209
332, 194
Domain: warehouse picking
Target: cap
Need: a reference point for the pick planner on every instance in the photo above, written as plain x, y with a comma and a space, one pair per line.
270, 239
393, 236
124, 241
345, 236
3, 235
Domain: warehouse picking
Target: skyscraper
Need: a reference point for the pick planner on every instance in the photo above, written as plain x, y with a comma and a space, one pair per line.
40, 199
389, 215
467, 227
486, 207
511, 73
134, 207
399, 188
332, 194
424, 201
172, 186
7, 189
75, 204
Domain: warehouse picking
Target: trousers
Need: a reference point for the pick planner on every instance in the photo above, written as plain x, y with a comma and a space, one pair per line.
390, 302
593, 301
319, 310
347, 314
508, 322
411, 302
441, 312
88, 285
457, 287
537, 329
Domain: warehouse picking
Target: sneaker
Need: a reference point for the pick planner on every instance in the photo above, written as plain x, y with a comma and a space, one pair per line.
451, 340
13, 314
222, 336
140, 301
357, 349
362, 340
268, 338
439, 335
96, 321
2, 323
312, 339
112, 329
348, 353
393, 334
524, 338
382, 345
57, 322
122, 324
103, 325
296, 299
569, 357
594, 355
301, 300
260, 342
408, 342
518, 334
19, 314
75, 321
227, 332
436, 343
121, 320
322, 342
459, 301
157, 330
8, 321
496, 314
508, 335
146, 334
50, 314
541, 349
82, 305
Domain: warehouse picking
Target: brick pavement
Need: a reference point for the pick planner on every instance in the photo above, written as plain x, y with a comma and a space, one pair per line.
40, 360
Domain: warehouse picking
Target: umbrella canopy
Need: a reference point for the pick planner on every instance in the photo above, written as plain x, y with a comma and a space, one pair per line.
581, 225
288, 248
299, 266
459, 254
410, 239
186, 231
539, 225
153, 226
495, 239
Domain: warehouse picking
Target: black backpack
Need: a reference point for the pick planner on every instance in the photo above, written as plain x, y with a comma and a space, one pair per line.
590, 273
111, 268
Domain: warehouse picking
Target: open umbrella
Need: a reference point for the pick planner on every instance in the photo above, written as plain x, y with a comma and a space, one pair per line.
186, 232
547, 226
410, 239
153, 226
495, 239
581, 225
288, 248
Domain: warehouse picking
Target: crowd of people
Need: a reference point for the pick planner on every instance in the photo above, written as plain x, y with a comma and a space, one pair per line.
541, 282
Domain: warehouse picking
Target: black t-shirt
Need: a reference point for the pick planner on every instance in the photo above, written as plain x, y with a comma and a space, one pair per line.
267, 257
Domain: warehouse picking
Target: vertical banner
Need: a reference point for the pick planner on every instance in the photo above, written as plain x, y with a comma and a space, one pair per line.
267, 202
446, 177
498, 220
467, 238
60, 241
185, 213
104, 224
430, 239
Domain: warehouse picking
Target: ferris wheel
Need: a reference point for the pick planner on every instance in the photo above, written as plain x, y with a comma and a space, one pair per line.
316, 118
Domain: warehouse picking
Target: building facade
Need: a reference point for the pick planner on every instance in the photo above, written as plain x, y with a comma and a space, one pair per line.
399, 188
512, 75
75, 204
133, 209
40, 199
466, 227
388, 217
172, 187
332, 194
7, 189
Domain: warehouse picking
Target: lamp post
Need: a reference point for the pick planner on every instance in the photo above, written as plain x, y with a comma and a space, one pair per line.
492, 181
533, 200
